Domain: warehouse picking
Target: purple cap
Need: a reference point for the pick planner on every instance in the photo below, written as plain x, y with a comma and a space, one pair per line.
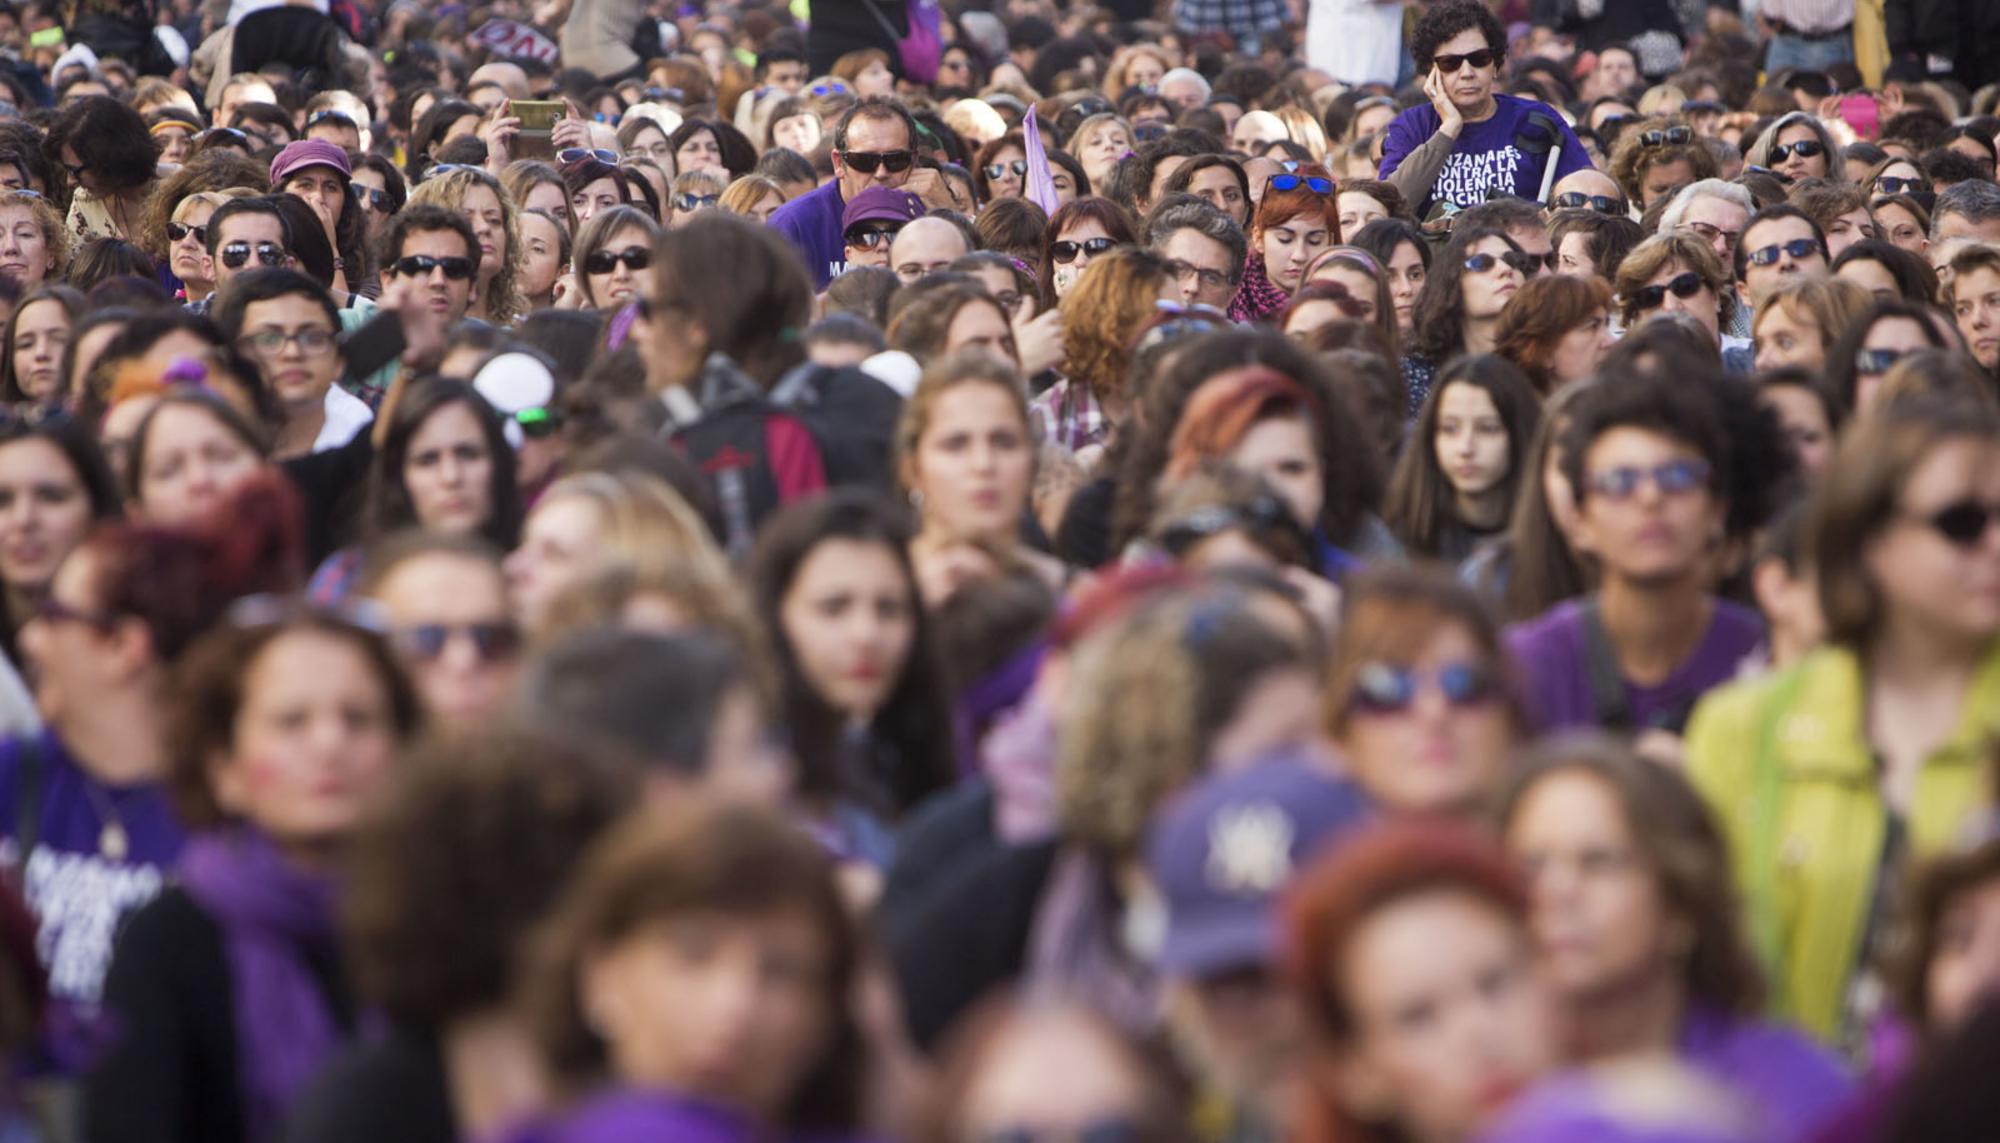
308, 153
1223, 852
881, 204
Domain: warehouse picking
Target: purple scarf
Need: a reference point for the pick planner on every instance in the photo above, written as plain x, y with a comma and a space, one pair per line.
630, 1115
268, 912
1258, 299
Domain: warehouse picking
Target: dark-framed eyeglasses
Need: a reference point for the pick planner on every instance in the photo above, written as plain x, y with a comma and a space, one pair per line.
1065, 251
605, 261
312, 341
236, 255
1209, 279
1683, 286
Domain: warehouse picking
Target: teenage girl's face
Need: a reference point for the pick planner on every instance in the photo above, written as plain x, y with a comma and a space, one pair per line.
449, 472
1290, 247
1487, 292
849, 617
1600, 923
1799, 409
1927, 583
974, 462
1406, 281
44, 512
1471, 442
1433, 756
1452, 1019
313, 741
41, 333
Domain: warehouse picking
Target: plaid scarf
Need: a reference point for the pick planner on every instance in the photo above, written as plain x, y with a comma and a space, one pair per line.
1258, 299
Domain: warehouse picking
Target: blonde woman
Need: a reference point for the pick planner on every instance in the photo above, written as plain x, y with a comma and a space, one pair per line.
1099, 142
485, 203
754, 197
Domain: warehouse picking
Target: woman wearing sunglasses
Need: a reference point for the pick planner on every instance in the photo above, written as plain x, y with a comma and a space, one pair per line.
612, 254
1655, 158
1297, 219
1418, 698
1874, 342
444, 600
1001, 168
1458, 312
1471, 141
1797, 147
1679, 274
1077, 233
1825, 810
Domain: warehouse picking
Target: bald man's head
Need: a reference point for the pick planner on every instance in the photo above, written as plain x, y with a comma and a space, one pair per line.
510, 77
1591, 183
926, 246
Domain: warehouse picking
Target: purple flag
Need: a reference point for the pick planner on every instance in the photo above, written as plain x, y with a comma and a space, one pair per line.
1040, 188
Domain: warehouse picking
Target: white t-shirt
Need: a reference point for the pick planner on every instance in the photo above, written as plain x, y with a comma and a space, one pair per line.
1356, 41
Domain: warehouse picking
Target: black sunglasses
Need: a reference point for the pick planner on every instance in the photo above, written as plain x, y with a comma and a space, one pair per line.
1890, 184
1066, 251
868, 162
426, 641
1577, 200
605, 261
1797, 248
870, 238
1964, 522
999, 170
1450, 64
417, 265
1526, 264
689, 201
176, 231
1668, 137
1682, 286
237, 254
1313, 183
1804, 149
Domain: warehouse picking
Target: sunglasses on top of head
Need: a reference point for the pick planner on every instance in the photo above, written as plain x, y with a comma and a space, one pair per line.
868, 162
571, 155
1449, 65
1527, 265
1313, 183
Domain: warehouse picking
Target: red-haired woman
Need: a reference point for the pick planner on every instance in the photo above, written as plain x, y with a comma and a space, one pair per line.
1296, 220
1411, 946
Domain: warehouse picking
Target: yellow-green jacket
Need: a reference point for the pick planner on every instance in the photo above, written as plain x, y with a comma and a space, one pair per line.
1784, 764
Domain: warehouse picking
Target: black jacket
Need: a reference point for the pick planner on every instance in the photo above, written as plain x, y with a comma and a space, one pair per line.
968, 936
1966, 32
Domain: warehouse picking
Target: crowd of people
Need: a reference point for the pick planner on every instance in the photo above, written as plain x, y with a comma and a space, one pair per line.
1000, 571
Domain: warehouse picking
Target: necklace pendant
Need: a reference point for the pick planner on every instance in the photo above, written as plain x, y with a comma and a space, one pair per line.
111, 841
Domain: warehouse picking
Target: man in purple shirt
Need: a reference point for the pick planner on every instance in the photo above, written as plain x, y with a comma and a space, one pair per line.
1647, 458
873, 146
1471, 142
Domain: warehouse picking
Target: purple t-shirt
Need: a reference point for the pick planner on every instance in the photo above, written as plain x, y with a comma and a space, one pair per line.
1488, 157
811, 222
1796, 1086
77, 893
1550, 652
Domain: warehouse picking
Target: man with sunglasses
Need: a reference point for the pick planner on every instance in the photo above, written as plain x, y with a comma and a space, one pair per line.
245, 234
1590, 189
1471, 142
1779, 242
1648, 463
436, 252
873, 147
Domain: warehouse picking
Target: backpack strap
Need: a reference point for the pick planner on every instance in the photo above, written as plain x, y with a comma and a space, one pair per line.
1600, 664
28, 797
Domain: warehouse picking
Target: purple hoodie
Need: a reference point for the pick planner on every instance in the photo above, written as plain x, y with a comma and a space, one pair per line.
629, 1115
1796, 1084
811, 223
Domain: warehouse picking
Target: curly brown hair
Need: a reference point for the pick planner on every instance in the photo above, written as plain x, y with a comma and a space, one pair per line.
1633, 158
1102, 316
215, 170
502, 299
475, 838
